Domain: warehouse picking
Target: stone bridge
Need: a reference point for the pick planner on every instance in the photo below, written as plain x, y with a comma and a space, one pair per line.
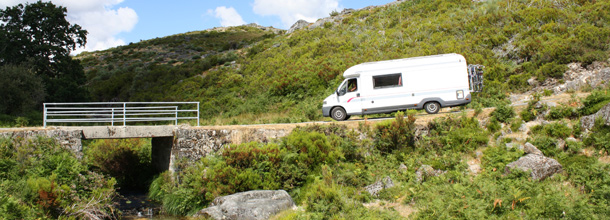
169, 143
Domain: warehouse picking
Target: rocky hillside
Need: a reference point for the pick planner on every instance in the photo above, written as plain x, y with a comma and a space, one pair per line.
252, 74
545, 159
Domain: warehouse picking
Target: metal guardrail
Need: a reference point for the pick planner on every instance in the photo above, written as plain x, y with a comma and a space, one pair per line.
119, 112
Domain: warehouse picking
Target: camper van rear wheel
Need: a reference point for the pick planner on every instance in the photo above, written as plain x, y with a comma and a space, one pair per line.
338, 114
432, 107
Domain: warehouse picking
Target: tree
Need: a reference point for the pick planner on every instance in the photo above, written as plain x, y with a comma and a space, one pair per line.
22, 91
39, 36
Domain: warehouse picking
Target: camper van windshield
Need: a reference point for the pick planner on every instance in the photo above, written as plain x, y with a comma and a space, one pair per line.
387, 81
351, 85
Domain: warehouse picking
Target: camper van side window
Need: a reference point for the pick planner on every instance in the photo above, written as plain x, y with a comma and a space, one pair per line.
387, 81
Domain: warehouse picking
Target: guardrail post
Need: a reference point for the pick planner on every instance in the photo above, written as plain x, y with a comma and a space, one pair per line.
112, 119
197, 114
176, 109
124, 113
45, 115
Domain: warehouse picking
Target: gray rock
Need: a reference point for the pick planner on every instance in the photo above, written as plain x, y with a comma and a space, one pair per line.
426, 171
531, 149
533, 82
571, 139
347, 11
541, 166
587, 122
523, 128
403, 168
300, 24
561, 144
255, 205
382, 184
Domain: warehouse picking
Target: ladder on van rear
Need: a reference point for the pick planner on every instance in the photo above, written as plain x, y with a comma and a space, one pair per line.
475, 77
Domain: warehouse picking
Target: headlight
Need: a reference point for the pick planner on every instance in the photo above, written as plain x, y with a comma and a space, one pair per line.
459, 94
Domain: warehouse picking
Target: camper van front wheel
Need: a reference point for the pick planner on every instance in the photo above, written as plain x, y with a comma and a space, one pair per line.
432, 107
338, 114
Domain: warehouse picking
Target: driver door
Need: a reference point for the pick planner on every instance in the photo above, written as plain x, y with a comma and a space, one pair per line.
348, 96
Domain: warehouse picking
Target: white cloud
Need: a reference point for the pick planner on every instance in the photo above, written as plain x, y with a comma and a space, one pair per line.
228, 16
291, 11
97, 17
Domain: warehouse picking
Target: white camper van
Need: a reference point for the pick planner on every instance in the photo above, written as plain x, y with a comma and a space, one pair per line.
429, 82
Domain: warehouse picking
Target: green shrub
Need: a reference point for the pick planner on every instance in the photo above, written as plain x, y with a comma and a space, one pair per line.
324, 199
40, 179
594, 102
561, 112
516, 124
546, 144
503, 113
395, 134
493, 125
552, 70
498, 157
599, 136
531, 112
555, 129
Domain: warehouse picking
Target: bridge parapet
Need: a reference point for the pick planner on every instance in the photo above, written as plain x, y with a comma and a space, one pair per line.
119, 113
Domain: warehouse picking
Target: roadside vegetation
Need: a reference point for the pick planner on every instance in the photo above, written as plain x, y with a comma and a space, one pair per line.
325, 168
246, 75
41, 180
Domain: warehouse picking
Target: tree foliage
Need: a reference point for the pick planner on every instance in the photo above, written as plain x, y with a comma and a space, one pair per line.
38, 35
22, 91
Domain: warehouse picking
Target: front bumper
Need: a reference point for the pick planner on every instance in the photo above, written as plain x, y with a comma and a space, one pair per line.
326, 111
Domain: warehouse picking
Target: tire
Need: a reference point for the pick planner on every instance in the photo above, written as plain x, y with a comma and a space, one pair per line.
338, 114
432, 107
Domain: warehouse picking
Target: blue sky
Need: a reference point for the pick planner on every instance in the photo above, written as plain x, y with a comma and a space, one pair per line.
162, 18
113, 23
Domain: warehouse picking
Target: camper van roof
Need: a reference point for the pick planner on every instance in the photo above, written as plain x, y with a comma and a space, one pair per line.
356, 70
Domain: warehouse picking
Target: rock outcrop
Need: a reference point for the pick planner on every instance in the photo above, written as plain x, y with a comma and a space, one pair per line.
594, 75
300, 24
335, 19
540, 166
382, 184
251, 205
529, 148
587, 122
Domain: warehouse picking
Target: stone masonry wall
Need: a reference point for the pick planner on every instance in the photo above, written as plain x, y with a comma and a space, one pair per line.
70, 139
192, 144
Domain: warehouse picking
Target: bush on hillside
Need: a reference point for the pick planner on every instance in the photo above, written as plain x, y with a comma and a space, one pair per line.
40, 179
503, 113
395, 134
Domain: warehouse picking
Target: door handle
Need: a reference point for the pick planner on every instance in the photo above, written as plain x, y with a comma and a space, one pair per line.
372, 101
358, 95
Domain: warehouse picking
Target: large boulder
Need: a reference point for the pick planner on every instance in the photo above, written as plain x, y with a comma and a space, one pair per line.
300, 24
587, 122
382, 184
251, 205
541, 166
